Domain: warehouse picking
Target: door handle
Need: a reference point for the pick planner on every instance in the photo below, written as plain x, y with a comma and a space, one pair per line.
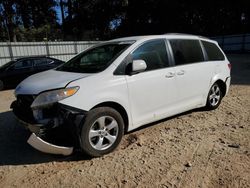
170, 75
182, 72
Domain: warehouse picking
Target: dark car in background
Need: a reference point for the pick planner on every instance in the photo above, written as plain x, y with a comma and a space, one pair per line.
13, 72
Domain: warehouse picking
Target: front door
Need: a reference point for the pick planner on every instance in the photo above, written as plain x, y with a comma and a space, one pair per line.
152, 93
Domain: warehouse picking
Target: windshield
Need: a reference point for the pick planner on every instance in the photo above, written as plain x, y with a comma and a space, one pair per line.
95, 59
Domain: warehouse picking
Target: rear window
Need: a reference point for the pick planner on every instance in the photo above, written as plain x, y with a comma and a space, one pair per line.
186, 51
213, 52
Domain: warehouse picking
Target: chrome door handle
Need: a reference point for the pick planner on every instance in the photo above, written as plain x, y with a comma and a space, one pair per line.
170, 75
182, 72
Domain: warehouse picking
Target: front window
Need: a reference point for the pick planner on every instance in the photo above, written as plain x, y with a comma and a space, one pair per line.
154, 53
95, 59
22, 64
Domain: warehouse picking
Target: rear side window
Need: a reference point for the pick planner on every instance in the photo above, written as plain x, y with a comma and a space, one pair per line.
213, 52
153, 53
41, 62
186, 51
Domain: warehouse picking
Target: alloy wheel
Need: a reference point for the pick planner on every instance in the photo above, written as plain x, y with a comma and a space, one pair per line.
214, 95
103, 133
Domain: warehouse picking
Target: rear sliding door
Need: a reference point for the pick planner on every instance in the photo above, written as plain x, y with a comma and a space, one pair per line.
193, 74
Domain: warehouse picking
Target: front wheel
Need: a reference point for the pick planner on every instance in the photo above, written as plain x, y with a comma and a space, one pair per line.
102, 131
214, 97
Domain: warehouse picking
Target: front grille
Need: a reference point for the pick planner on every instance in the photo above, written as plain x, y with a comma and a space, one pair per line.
25, 100
22, 108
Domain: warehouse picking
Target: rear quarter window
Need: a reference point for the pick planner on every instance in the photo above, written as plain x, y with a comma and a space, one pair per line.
213, 51
186, 51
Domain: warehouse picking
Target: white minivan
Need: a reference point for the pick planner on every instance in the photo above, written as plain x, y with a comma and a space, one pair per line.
89, 102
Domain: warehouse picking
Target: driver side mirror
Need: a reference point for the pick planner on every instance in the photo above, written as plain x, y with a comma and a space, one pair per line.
138, 66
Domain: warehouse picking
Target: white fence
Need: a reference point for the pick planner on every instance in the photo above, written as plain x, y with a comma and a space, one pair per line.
234, 43
59, 50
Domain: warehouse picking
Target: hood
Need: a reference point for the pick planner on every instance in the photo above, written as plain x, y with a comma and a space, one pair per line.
2, 68
47, 80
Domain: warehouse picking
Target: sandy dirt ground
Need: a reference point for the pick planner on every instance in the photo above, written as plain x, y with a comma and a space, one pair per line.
194, 149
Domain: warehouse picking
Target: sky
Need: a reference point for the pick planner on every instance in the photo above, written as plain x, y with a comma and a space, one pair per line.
113, 24
59, 14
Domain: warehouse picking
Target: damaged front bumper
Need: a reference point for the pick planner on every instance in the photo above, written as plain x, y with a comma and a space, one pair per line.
43, 146
55, 129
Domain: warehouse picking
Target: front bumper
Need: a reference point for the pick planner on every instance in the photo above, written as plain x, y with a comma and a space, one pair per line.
59, 134
43, 146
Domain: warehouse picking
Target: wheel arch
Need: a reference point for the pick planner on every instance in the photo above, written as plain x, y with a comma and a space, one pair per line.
222, 86
117, 107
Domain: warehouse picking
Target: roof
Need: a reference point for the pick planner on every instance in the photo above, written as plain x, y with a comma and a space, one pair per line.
38, 56
168, 35
29, 57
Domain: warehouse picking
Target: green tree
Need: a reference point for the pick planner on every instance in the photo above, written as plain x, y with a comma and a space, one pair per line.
8, 19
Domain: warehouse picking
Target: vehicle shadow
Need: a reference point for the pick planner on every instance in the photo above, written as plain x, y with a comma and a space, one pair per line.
169, 118
14, 149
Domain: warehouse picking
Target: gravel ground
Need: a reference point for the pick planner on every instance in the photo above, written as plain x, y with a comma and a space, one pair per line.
194, 149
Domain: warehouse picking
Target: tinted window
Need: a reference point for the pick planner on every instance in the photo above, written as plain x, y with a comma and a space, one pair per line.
96, 59
23, 64
213, 52
41, 62
186, 51
153, 53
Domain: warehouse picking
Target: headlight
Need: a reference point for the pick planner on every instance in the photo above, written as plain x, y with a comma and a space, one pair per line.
54, 96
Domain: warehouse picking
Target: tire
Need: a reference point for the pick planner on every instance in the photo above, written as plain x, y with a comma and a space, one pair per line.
1, 85
214, 97
102, 131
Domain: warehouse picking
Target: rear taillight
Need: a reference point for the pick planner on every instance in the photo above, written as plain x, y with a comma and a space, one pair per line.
229, 66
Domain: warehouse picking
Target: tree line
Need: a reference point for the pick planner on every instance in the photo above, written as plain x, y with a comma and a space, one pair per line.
39, 20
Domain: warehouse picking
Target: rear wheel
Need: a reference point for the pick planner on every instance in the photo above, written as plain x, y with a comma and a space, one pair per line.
214, 97
1, 85
102, 131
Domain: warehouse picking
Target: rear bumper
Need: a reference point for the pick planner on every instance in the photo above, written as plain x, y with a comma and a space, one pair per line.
228, 82
53, 137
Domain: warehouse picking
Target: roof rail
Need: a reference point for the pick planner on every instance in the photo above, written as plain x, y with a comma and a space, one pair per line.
177, 34
186, 35
204, 37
